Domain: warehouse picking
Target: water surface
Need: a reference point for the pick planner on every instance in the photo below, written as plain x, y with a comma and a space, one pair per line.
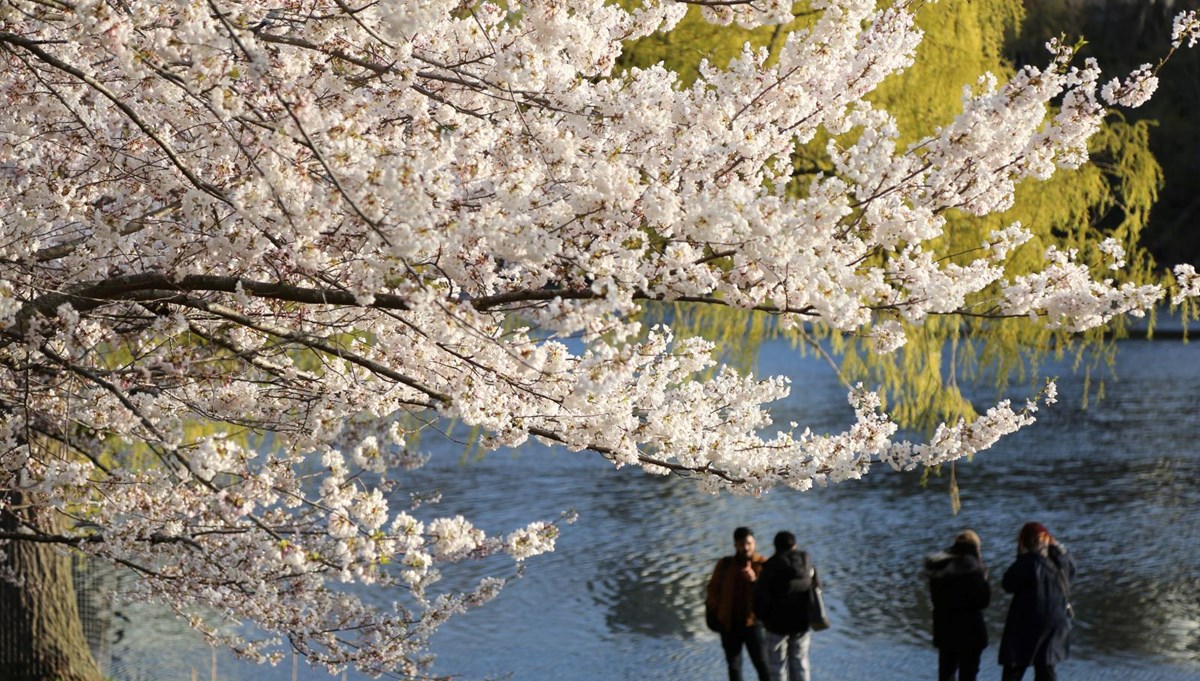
621, 597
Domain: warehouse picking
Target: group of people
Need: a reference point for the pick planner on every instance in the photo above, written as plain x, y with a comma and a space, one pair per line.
1039, 617
761, 606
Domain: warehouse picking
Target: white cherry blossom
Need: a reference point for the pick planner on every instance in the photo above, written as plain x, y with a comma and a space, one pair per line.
252, 249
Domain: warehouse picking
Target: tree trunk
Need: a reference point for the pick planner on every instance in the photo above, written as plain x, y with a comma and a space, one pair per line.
41, 633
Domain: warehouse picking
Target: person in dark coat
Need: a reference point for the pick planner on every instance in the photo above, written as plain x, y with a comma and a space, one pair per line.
959, 590
1039, 618
781, 604
730, 600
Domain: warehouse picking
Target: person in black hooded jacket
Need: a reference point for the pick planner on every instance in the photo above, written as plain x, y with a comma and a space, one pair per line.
959, 589
781, 604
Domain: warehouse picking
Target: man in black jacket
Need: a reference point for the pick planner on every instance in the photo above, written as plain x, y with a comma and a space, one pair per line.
959, 589
781, 604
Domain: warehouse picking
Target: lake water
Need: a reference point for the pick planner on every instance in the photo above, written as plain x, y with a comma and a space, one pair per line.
1118, 483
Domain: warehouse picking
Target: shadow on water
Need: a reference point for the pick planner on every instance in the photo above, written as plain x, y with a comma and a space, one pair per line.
621, 596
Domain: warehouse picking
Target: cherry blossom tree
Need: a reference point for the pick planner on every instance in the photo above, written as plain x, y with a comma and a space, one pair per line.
328, 224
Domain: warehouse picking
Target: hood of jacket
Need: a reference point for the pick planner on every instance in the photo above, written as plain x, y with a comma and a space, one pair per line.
951, 563
791, 565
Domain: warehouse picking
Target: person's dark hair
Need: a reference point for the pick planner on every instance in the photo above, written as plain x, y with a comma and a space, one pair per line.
741, 533
784, 541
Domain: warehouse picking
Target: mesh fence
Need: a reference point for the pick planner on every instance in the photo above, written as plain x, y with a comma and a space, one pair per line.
137, 641
148, 642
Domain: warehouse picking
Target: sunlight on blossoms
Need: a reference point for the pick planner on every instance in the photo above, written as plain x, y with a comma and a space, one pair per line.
255, 251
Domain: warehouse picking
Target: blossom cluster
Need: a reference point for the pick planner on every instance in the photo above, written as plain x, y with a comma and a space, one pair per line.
319, 229
1185, 29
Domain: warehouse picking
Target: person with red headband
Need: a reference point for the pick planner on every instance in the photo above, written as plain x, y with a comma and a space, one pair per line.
1039, 617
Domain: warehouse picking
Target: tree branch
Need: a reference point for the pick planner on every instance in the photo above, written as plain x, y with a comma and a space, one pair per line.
32, 47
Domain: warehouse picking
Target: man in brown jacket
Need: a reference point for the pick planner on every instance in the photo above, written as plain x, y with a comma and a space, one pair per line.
731, 597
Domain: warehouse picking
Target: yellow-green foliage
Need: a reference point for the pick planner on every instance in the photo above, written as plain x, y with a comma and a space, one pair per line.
694, 40
962, 40
1075, 209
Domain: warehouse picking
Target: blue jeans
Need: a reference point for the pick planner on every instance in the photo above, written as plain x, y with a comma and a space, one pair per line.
751, 638
787, 656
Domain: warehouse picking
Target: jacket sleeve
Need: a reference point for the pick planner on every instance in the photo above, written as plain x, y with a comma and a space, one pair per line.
712, 595
981, 591
763, 596
805, 581
1062, 558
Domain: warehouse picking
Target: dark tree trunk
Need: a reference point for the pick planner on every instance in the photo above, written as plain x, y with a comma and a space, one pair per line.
41, 634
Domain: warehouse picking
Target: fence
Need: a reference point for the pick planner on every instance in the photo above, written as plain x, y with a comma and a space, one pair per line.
145, 642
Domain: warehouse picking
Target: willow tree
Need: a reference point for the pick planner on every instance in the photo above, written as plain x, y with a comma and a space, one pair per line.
1077, 208
330, 224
